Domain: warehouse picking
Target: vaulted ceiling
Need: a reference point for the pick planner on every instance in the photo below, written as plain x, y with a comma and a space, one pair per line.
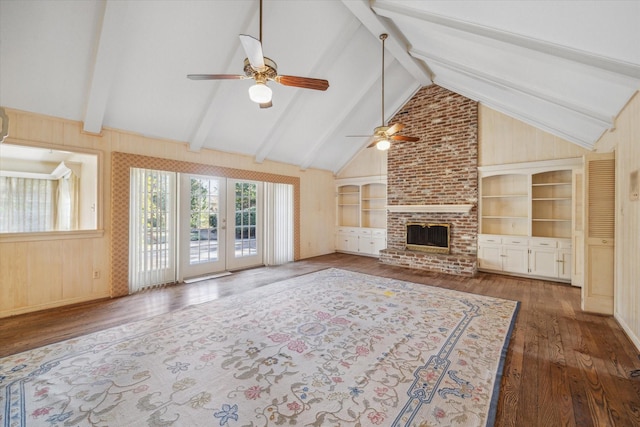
567, 67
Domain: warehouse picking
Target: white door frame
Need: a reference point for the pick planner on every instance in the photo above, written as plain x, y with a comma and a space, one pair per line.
230, 253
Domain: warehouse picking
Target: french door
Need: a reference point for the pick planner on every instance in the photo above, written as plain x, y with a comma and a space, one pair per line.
219, 225
185, 226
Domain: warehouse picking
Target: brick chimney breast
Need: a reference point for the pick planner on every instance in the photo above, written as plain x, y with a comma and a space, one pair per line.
439, 169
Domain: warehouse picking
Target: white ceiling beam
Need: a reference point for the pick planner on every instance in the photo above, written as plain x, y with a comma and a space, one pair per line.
349, 110
391, 10
215, 108
502, 83
523, 116
345, 113
322, 65
111, 39
408, 93
362, 10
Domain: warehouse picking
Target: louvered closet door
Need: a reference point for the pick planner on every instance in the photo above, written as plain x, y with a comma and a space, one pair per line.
597, 292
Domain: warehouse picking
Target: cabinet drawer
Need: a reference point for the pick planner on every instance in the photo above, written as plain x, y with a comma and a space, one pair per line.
515, 241
348, 230
544, 243
488, 238
564, 244
379, 233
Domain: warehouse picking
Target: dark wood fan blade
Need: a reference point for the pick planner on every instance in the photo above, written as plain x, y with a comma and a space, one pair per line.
404, 138
266, 105
303, 82
253, 49
395, 128
215, 76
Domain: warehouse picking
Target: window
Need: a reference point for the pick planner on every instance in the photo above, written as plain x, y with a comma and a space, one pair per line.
47, 189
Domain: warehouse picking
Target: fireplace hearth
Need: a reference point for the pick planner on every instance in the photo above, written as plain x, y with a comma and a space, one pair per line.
425, 237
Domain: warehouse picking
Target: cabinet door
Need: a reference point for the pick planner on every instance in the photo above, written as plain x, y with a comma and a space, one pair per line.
352, 243
564, 264
378, 244
490, 256
515, 259
347, 242
341, 242
371, 245
542, 262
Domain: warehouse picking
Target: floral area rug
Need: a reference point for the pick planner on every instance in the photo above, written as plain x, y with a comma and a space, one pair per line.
331, 348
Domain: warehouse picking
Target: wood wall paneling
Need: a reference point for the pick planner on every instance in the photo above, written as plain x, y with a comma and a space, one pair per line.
45, 267
625, 139
505, 140
32, 279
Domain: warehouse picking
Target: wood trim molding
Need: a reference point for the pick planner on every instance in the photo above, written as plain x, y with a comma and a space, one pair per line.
463, 208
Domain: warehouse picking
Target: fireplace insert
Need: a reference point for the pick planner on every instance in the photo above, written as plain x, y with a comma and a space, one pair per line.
427, 237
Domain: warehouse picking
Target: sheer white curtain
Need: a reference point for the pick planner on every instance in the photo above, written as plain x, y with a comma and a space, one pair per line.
152, 228
279, 223
67, 205
26, 204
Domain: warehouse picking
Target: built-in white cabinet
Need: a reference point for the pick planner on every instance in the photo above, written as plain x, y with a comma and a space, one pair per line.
526, 219
361, 215
347, 239
549, 258
361, 241
503, 253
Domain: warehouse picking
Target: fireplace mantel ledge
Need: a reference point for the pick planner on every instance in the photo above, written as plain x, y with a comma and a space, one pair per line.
430, 208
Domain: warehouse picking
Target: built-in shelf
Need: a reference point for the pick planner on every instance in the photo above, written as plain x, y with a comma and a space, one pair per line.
362, 202
526, 218
540, 194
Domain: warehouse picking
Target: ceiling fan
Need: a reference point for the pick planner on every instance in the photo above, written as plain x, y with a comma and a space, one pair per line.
262, 69
383, 135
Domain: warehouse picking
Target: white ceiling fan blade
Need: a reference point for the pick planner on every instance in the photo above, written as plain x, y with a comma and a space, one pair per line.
253, 49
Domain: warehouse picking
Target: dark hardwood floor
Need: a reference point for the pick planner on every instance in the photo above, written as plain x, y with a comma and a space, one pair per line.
564, 367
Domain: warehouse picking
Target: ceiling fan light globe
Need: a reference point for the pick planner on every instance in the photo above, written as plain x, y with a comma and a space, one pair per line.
260, 93
383, 144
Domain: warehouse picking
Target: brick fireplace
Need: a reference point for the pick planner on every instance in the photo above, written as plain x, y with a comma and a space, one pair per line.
435, 181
